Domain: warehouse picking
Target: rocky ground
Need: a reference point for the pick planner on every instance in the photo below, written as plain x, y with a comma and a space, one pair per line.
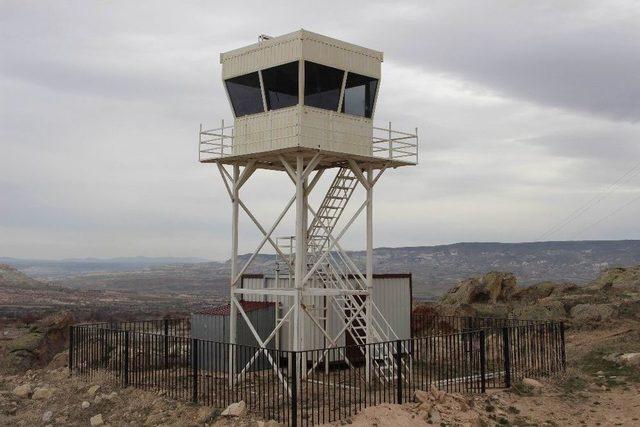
600, 387
614, 295
51, 397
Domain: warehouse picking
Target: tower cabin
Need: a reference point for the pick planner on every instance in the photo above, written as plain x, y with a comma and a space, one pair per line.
304, 93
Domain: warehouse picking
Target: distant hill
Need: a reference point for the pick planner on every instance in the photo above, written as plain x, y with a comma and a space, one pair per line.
10, 277
434, 268
65, 268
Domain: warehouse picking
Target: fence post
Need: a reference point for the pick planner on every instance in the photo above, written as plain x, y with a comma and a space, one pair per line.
562, 351
194, 367
506, 354
483, 362
399, 370
71, 349
294, 390
166, 343
126, 358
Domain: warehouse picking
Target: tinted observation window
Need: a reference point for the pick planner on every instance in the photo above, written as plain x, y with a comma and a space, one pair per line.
359, 95
245, 94
281, 85
322, 86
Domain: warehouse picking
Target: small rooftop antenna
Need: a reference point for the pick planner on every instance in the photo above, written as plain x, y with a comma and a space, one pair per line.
263, 37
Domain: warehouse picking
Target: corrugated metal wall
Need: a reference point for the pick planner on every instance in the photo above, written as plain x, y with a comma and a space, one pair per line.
391, 294
216, 328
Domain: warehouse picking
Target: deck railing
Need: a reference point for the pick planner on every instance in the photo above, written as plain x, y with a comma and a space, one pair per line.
456, 354
387, 143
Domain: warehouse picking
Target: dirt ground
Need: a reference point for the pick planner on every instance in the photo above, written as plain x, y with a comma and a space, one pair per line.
592, 392
598, 408
595, 391
74, 400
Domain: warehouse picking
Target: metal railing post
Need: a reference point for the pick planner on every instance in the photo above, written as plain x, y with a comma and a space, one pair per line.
399, 370
390, 143
483, 362
563, 354
222, 138
126, 359
294, 390
166, 343
103, 345
194, 367
506, 354
71, 329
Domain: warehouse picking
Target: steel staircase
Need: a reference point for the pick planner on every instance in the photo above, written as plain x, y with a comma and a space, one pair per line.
330, 210
337, 272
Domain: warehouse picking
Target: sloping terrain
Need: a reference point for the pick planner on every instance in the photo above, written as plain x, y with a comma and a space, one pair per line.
25, 299
435, 268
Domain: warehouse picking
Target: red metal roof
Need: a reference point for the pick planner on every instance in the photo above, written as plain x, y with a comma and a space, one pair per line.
247, 306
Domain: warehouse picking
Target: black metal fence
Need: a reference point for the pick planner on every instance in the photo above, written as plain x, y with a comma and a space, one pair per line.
466, 355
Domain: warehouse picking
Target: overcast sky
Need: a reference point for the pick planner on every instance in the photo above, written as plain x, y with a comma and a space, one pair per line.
526, 110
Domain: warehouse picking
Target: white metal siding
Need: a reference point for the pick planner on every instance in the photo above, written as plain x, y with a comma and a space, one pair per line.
301, 45
391, 294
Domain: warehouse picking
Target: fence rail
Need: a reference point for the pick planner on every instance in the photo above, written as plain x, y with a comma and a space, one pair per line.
456, 354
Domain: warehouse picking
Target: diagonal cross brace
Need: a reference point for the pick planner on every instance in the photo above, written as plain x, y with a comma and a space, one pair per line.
261, 343
266, 341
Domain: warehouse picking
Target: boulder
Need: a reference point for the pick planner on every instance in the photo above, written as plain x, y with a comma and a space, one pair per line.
46, 417
564, 289
491, 288
60, 360
589, 313
42, 393
85, 404
23, 391
96, 420
630, 359
154, 419
434, 417
467, 291
40, 344
535, 385
621, 279
93, 390
543, 290
421, 396
535, 292
237, 409
207, 415
464, 310
501, 286
547, 310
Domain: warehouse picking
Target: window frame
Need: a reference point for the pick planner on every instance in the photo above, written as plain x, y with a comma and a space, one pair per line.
230, 99
264, 89
304, 86
375, 95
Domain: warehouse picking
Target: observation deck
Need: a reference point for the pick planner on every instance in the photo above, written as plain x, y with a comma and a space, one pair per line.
389, 148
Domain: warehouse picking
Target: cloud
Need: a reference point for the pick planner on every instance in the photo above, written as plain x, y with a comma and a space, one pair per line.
525, 111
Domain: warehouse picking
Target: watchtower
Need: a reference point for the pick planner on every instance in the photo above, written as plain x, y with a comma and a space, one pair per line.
304, 104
